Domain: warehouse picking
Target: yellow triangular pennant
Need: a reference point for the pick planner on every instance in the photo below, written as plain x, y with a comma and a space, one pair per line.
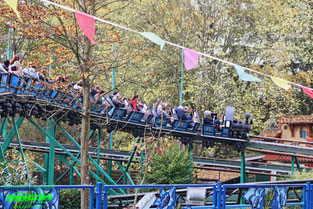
13, 5
281, 83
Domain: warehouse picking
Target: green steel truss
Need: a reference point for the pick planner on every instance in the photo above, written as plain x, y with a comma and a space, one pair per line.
68, 159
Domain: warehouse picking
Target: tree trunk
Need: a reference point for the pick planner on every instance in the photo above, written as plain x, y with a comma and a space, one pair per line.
84, 142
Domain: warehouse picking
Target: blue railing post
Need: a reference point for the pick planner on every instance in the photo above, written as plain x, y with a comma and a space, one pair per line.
310, 196
98, 195
308, 202
306, 196
105, 197
214, 196
92, 192
219, 195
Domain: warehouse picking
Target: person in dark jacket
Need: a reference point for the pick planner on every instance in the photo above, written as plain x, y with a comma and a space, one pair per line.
207, 118
4, 68
181, 114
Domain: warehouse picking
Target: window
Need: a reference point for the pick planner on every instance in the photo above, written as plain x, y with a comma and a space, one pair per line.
303, 134
285, 127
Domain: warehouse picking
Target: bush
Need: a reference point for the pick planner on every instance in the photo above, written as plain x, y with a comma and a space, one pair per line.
69, 199
15, 171
173, 167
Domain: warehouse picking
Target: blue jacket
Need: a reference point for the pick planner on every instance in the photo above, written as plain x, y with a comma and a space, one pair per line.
181, 114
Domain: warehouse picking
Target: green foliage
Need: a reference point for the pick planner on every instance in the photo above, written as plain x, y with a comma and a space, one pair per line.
305, 174
268, 198
69, 199
15, 171
173, 167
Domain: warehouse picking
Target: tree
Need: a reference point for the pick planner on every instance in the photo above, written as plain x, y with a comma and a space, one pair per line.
172, 167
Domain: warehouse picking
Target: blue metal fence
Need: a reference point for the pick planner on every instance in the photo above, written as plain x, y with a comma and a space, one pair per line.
218, 196
255, 196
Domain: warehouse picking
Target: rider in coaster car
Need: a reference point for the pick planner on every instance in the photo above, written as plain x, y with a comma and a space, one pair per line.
181, 114
207, 118
118, 99
160, 109
134, 101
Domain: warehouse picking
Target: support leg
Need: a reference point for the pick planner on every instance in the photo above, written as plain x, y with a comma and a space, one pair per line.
243, 175
50, 157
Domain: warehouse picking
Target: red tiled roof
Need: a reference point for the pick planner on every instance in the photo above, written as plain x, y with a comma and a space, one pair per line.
297, 119
276, 133
285, 158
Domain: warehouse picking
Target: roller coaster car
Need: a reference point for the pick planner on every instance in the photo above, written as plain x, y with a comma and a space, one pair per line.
129, 114
115, 112
158, 121
18, 85
102, 106
229, 127
240, 129
4, 83
219, 125
186, 126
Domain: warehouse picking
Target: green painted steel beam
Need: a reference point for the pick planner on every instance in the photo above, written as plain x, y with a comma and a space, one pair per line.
100, 180
98, 151
110, 147
69, 164
130, 159
251, 165
281, 147
190, 150
5, 128
93, 162
57, 143
292, 165
68, 135
126, 174
51, 156
298, 164
9, 138
104, 173
20, 148
39, 167
3, 122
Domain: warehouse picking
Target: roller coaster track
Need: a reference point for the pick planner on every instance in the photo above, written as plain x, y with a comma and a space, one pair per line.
199, 163
288, 147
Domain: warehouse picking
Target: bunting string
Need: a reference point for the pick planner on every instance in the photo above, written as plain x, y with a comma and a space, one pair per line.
192, 60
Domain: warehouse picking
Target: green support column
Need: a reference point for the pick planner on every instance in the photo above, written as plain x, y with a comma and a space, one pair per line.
98, 151
243, 175
110, 161
292, 165
50, 157
9, 45
11, 134
182, 78
190, 150
4, 127
298, 164
71, 176
141, 164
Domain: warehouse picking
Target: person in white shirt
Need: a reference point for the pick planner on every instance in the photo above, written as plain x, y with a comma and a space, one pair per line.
31, 71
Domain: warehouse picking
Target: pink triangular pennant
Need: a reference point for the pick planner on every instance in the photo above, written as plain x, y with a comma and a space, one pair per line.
191, 58
307, 91
86, 24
